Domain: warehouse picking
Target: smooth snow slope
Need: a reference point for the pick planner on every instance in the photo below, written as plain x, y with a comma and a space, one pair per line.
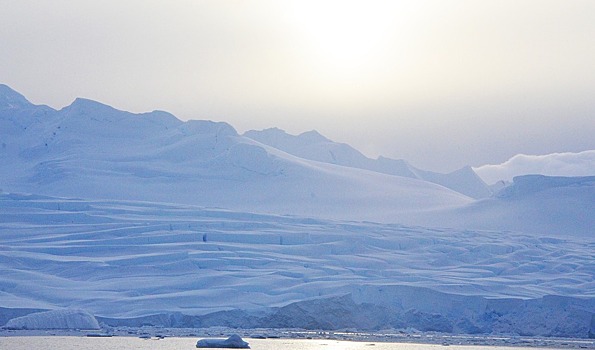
124, 259
91, 150
312, 145
554, 206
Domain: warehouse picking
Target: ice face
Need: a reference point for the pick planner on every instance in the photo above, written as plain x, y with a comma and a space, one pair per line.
56, 319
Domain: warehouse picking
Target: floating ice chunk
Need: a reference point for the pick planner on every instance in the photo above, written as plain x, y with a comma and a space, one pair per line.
233, 342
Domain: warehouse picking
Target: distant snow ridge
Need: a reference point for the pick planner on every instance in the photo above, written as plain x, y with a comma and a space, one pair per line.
56, 319
555, 164
530, 184
313, 146
10, 99
553, 206
91, 150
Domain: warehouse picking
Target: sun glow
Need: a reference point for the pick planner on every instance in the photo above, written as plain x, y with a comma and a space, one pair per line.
351, 38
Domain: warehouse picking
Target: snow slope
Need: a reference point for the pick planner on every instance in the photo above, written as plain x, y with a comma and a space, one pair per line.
123, 259
554, 206
312, 145
189, 218
91, 150
136, 258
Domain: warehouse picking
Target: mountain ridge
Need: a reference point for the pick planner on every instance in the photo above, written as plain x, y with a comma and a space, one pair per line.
89, 149
178, 218
105, 153
314, 146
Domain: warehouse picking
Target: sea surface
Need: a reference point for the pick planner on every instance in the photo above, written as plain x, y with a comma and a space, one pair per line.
134, 343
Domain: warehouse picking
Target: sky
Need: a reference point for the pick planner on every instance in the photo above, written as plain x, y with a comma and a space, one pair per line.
440, 83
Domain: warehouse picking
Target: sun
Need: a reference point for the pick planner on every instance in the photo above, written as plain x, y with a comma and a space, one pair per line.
348, 37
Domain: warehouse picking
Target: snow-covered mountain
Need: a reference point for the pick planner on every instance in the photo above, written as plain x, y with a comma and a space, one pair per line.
312, 145
190, 224
91, 150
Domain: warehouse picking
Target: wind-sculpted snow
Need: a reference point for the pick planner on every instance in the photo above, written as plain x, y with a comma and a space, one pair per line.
125, 259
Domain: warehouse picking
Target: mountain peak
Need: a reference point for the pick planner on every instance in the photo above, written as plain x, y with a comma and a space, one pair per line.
274, 130
82, 106
313, 136
201, 127
9, 98
276, 137
85, 102
466, 170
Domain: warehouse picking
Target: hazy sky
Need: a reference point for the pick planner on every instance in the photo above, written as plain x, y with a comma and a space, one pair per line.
441, 83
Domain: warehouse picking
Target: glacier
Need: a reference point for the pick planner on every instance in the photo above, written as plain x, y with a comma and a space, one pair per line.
134, 263
145, 219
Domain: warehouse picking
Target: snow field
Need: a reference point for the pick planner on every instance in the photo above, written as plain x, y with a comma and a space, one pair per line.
125, 259
308, 237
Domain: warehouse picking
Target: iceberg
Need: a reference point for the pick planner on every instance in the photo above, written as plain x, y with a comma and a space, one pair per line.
233, 342
55, 319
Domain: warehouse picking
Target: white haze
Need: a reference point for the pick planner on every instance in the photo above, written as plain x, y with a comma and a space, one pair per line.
442, 83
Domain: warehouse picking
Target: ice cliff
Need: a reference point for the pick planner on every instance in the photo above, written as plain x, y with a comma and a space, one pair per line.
55, 319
